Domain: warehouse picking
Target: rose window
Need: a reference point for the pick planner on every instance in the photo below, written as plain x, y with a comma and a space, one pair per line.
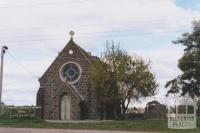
70, 72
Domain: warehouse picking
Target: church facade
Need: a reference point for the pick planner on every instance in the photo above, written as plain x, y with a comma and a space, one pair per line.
65, 93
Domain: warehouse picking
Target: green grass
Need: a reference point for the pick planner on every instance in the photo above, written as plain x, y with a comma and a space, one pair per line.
134, 125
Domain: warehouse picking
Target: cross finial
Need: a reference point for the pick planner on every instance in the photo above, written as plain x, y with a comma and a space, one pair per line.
71, 34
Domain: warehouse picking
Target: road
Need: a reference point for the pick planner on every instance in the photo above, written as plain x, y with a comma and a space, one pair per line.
29, 130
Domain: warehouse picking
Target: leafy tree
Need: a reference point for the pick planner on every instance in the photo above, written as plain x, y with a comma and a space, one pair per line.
120, 78
189, 81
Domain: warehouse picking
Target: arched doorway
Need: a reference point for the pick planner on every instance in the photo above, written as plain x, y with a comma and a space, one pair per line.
65, 107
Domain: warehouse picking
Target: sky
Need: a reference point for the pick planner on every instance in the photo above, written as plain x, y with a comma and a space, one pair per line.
36, 30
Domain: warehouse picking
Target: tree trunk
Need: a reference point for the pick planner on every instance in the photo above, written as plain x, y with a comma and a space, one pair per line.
102, 111
115, 112
124, 107
123, 111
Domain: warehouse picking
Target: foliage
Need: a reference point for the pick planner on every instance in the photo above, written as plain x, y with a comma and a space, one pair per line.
120, 78
101, 79
189, 81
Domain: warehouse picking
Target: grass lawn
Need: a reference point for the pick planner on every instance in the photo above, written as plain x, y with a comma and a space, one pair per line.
134, 125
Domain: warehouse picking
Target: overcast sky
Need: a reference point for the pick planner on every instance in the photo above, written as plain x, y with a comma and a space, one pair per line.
36, 30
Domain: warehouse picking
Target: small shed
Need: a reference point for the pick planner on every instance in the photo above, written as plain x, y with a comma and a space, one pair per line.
155, 110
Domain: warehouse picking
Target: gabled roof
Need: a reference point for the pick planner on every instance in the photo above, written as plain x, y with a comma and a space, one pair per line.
90, 59
71, 45
85, 54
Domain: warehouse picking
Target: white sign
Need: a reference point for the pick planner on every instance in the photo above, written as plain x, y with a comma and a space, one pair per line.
182, 121
181, 117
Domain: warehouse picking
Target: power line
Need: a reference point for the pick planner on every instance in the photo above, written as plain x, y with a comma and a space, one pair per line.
191, 61
102, 24
21, 65
135, 34
104, 32
44, 4
30, 72
101, 36
83, 35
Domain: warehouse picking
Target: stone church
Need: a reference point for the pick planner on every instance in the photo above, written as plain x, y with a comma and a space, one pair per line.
64, 92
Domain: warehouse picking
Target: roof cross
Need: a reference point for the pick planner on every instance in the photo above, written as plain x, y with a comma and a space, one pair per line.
71, 34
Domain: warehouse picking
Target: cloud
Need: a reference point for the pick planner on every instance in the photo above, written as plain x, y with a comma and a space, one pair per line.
36, 31
164, 65
21, 80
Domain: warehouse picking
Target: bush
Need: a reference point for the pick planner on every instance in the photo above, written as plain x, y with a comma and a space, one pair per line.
132, 116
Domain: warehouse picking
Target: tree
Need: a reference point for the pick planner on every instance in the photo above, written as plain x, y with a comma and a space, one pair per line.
101, 79
189, 81
120, 78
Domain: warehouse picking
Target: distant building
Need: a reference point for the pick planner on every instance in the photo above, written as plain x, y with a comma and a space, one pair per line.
155, 110
64, 92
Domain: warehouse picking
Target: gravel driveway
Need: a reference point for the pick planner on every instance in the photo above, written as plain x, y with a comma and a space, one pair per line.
24, 130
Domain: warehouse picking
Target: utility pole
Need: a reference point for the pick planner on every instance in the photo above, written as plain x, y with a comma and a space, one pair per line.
3, 51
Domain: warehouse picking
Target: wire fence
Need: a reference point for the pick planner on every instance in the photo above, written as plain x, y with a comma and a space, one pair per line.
19, 112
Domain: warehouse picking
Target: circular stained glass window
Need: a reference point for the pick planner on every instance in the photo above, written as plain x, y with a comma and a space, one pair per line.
70, 72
